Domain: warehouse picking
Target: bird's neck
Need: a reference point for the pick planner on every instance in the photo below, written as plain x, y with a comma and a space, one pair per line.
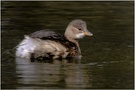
70, 36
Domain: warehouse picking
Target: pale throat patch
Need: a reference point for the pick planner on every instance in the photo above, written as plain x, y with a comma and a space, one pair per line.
80, 35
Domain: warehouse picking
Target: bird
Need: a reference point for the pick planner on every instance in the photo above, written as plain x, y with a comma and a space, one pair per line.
47, 44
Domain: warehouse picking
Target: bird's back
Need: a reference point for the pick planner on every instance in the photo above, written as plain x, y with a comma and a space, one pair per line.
48, 44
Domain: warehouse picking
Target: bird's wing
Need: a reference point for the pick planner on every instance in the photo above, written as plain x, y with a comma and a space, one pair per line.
45, 34
53, 36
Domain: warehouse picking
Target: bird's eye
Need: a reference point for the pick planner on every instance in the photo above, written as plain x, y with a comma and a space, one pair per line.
79, 29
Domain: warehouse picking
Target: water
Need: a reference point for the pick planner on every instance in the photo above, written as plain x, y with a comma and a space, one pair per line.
107, 61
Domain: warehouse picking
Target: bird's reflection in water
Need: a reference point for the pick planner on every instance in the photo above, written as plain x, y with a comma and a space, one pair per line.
52, 74
76, 59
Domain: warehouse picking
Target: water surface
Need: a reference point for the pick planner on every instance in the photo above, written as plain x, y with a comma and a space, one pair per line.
107, 60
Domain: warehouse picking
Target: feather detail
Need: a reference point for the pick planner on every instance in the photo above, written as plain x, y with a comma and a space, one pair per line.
51, 47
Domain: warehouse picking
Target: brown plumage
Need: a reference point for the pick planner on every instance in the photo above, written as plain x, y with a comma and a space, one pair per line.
45, 44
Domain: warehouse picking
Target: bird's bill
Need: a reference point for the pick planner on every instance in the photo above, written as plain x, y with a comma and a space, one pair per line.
87, 33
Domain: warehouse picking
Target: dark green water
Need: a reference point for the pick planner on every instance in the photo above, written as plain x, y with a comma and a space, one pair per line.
107, 61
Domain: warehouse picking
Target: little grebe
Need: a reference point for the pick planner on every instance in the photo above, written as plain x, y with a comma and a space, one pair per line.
51, 45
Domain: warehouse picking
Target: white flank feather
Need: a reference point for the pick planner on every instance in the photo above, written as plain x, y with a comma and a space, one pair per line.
26, 47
